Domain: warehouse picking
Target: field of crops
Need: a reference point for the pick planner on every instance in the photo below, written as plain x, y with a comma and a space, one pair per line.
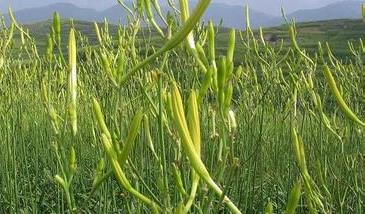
132, 125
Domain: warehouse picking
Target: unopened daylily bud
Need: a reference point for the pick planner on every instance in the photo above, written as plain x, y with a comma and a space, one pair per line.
99, 171
57, 27
211, 41
202, 55
147, 132
22, 36
228, 92
206, 83
269, 208
100, 119
232, 120
121, 65
72, 80
132, 134
189, 147
72, 160
231, 45
49, 49
98, 35
54, 118
340, 100
169, 106
182, 127
107, 67
293, 199
60, 181
221, 72
194, 121
178, 180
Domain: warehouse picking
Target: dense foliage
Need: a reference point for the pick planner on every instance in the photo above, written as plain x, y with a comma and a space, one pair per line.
138, 127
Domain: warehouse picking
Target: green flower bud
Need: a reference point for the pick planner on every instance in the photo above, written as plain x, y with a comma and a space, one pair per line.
57, 27
72, 80
100, 119
231, 45
293, 199
98, 34
340, 100
72, 160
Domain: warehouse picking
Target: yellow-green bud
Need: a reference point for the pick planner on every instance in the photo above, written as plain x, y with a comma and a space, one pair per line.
72, 160
57, 27
293, 199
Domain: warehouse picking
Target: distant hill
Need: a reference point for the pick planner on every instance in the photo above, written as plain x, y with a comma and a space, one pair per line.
339, 10
26, 4
232, 16
28, 16
336, 32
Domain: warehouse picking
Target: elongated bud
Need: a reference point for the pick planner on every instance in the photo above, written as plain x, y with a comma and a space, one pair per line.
100, 119
132, 134
206, 84
98, 35
106, 64
146, 127
101, 165
49, 49
211, 41
72, 160
231, 45
293, 199
185, 14
297, 148
202, 55
120, 176
99, 172
60, 181
221, 72
54, 118
178, 180
22, 36
169, 105
148, 8
182, 127
340, 100
293, 37
363, 12
194, 121
107, 68
232, 120
248, 24
221, 78
57, 27
262, 36
73, 81
228, 96
45, 92
269, 208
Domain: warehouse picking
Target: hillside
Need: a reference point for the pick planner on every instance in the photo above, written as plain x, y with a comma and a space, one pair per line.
232, 15
336, 32
339, 10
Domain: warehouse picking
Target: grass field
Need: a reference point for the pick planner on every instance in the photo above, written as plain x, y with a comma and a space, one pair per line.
336, 32
97, 119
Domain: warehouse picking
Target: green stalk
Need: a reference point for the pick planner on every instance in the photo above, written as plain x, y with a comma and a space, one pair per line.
174, 41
